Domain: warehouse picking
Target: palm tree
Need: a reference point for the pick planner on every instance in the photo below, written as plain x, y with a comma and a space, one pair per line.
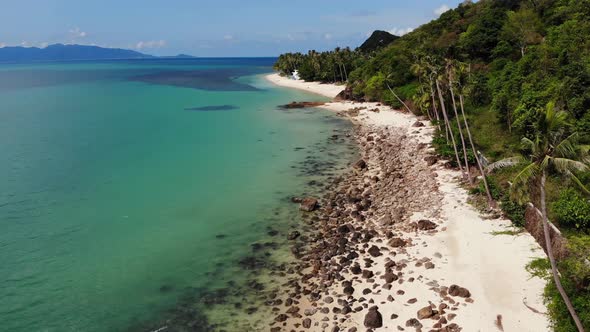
462, 70
550, 150
346, 56
420, 68
338, 58
434, 108
428, 65
491, 203
451, 77
448, 123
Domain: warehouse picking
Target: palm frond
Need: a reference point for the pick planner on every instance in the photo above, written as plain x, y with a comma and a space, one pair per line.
526, 174
507, 162
520, 184
527, 143
555, 119
564, 165
578, 182
567, 147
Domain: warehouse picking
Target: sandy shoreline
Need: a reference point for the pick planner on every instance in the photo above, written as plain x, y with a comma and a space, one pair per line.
326, 90
406, 264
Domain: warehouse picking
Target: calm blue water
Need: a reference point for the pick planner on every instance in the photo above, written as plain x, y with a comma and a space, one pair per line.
128, 187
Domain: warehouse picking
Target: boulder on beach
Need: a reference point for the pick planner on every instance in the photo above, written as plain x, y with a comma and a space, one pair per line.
425, 312
374, 251
308, 204
431, 160
361, 164
459, 291
373, 318
397, 242
293, 235
426, 225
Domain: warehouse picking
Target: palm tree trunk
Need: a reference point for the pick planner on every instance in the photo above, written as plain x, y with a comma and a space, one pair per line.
435, 109
398, 98
444, 112
566, 299
483, 174
461, 135
345, 73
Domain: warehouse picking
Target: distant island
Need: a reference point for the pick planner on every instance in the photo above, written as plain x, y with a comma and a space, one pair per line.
179, 56
61, 52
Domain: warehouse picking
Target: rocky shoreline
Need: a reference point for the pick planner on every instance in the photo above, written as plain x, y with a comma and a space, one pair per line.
354, 247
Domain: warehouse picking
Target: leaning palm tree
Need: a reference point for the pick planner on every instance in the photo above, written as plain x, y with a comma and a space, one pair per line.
550, 151
462, 76
451, 77
421, 68
448, 124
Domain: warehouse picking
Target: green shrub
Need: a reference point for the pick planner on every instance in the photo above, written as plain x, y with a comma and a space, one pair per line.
445, 149
495, 190
575, 277
513, 211
572, 210
539, 267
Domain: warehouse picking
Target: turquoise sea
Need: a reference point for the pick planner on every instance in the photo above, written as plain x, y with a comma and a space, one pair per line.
131, 190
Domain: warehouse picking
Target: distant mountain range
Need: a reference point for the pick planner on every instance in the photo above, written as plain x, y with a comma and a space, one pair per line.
61, 52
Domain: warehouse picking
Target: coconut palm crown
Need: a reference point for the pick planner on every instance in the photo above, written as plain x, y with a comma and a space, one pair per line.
551, 150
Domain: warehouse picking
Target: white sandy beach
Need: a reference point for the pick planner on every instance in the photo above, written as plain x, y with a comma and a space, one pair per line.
464, 249
327, 90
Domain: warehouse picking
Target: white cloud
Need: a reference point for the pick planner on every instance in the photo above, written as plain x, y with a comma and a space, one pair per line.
43, 44
228, 37
150, 44
2, 45
400, 31
327, 36
442, 9
299, 36
77, 33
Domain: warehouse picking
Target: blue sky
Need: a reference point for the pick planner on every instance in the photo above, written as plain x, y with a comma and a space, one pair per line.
210, 28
